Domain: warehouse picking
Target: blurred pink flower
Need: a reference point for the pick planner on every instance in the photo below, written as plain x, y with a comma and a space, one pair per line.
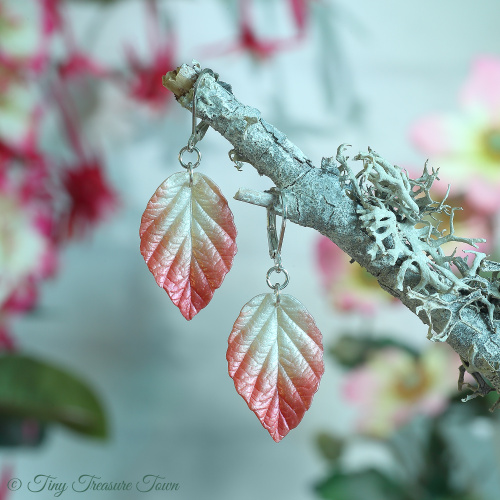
34, 220
4, 482
145, 83
78, 64
349, 286
52, 20
27, 248
91, 197
23, 298
248, 40
465, 145
32, 184
24, 253
300, 13
260, 48
7, 153
393, 386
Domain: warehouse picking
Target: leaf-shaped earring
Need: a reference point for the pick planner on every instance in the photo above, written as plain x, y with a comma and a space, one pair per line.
188, 233
275, 352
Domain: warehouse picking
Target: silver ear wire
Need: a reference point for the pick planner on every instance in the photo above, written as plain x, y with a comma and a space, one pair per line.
276, 243
197, 132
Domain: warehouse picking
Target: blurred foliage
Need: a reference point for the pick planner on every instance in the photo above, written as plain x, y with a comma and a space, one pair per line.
40, 391
351, 350
421, 436
15, 431
330, 446
368, 484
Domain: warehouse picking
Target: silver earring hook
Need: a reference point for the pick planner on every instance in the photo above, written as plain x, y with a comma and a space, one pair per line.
275, 244
197, 132
196, 135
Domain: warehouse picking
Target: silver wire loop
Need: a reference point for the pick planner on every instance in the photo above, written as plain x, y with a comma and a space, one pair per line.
277, 286
237, 163
190, 164
272, 235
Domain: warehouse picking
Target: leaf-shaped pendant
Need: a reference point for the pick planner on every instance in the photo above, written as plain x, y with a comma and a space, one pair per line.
275, 358
188, 240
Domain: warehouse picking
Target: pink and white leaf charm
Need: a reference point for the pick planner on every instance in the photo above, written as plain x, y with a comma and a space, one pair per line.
188, 239
275, 358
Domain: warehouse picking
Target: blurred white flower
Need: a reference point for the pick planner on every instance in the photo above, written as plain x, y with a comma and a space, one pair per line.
23, 246
394, 385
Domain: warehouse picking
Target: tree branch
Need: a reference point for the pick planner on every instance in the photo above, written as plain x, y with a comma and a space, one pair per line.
372, 216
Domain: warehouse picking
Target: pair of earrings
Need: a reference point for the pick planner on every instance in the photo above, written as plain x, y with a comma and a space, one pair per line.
275, 352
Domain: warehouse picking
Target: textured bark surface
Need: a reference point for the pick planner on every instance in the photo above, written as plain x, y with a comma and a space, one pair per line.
317, 198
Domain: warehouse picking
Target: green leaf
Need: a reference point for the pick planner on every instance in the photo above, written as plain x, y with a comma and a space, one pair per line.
330, 446
32, 388
368, 484
353, 350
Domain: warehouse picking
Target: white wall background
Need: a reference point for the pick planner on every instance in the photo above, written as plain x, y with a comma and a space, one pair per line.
173, 410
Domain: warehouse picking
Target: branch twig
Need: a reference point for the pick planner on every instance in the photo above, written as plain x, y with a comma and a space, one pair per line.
257, 198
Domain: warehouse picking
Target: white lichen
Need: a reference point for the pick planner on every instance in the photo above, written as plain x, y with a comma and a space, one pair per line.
400, 216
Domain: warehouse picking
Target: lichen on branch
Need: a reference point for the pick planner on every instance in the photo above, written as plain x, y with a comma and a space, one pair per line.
400, 215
